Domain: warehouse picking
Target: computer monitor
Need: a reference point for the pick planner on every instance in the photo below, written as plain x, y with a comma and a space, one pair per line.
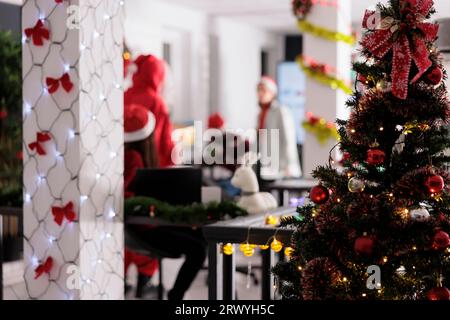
176, 186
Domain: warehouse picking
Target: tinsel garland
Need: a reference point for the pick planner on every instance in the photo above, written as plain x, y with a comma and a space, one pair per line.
319, 276
321, 129
196, 213
324, 33
324, 78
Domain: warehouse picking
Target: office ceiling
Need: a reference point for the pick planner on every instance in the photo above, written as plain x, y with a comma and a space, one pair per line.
276, 14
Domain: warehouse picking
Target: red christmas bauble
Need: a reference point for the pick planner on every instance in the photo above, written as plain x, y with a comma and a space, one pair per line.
441, 240
319, 194
364, 245
435, 183
345, 157
362, 79
441, 293
435, 76
375, 157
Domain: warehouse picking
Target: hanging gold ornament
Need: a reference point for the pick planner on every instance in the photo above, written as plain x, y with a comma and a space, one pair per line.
228, 249
356, 185
288, 251
276, 245
271, 220
247, 249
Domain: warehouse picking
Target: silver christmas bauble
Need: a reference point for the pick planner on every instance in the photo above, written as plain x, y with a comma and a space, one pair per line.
420, 214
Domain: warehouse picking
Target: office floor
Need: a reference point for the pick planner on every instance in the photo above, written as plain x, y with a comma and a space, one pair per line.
198, 290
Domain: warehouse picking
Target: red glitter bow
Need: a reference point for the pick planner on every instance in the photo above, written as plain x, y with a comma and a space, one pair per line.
53, 84
45, 267
59, 213
38, 33
407, 46
40, 138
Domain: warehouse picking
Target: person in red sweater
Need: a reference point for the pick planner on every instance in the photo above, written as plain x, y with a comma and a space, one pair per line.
140, 152
148, 80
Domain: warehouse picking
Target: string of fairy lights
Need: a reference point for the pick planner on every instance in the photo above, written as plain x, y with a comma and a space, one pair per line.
248, 249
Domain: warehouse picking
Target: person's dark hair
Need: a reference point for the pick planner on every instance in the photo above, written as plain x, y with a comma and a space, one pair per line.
147, 149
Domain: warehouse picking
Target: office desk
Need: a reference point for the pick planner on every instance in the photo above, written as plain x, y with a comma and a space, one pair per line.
294, 185
251, 228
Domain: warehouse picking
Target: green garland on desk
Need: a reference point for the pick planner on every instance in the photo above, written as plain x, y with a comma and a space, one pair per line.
196, 213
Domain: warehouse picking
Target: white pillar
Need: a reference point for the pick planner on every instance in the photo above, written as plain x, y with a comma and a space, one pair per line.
83, 163
322, 100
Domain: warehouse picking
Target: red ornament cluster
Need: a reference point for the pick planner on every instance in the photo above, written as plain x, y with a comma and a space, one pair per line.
435, 76
406, 50
440, 293
319, 194
375, 157
364, 245
441, 240
435, 183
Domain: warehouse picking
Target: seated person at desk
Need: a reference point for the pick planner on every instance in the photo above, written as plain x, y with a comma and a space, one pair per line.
233, 148
273, 116
174, 240
139, 153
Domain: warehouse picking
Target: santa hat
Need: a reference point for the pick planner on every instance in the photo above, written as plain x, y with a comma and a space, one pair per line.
269, 83
215, 121
139, 123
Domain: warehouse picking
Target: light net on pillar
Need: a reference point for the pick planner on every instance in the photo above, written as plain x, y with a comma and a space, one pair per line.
73, 148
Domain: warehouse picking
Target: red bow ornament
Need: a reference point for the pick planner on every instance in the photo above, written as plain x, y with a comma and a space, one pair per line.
59, 213
53, 84
407, 38
38, 33
37, 145
45, 267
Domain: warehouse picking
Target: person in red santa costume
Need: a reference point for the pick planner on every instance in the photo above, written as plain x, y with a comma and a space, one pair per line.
140, 152
146, 90
274, 116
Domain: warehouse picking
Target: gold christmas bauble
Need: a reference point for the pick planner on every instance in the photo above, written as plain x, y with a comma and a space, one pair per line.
271, 220
247, 249
288, 251
356, 185
276, 245
228, 249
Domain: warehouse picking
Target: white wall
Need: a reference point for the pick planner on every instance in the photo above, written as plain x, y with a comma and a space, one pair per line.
240, 48
149, 22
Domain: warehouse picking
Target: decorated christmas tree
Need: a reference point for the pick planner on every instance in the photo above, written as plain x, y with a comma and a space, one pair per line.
10, 120
378, 226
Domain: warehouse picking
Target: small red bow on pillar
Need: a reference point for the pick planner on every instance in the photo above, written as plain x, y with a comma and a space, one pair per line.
45, 267
59, 213
407, 46
38, 33
40, 138
53, 84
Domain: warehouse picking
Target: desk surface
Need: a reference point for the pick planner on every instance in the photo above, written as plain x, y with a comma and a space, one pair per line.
293, 184
252, 227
